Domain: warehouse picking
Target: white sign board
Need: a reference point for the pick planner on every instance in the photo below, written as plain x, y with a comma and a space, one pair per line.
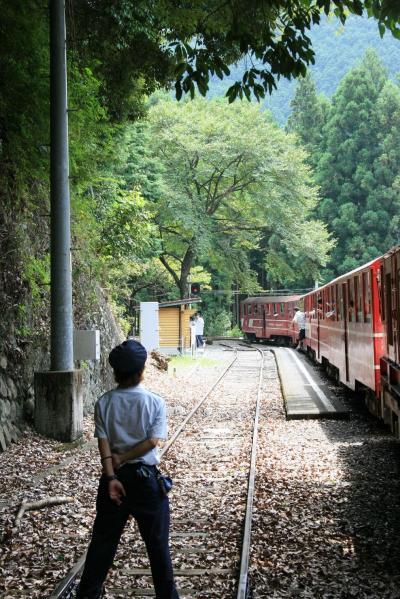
149, 327
86, 345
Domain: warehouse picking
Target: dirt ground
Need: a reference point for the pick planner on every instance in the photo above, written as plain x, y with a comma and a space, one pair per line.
326, 519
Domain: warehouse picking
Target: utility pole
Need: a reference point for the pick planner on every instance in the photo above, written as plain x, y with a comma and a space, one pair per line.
61, 279
58, 392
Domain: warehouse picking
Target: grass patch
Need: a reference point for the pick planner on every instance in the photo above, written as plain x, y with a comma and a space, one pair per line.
181, 362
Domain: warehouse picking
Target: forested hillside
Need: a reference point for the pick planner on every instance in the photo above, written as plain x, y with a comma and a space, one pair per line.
337, 50
354, 151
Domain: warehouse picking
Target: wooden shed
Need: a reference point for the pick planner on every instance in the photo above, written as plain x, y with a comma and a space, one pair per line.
174, 328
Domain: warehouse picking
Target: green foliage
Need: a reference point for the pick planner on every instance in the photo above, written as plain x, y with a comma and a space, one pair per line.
24, 93
309, 114
220, 178
127, 231
206, 38
217, 324
350, 169
235, 332
337, 49
357, 161
37, 276
91, 135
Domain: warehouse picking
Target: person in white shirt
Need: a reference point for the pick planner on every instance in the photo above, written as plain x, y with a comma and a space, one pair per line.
300, 319
193, 341
130, 421
199, 321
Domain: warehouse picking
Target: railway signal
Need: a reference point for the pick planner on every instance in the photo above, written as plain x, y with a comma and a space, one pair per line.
195, 289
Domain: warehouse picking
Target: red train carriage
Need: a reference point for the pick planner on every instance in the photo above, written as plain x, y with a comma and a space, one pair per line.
352, 326
269, 318
344, 328
390, 361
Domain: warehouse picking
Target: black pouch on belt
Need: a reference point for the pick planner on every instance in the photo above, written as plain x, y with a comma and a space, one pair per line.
142, 472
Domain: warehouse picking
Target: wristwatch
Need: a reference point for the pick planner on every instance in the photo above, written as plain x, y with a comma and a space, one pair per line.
110, 477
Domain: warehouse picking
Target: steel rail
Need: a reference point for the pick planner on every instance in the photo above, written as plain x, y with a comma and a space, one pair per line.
67, 581
243, 585
194, 410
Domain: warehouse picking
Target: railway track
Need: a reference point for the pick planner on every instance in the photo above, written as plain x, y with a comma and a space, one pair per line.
212, 459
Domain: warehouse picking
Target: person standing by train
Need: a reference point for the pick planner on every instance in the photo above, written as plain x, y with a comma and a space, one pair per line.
300, 319
130, 422
199, 321
193, 340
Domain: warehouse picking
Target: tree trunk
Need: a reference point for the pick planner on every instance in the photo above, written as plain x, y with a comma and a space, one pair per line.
185, 270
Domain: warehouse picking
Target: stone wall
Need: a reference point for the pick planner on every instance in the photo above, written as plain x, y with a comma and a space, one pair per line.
11, 412
20, 359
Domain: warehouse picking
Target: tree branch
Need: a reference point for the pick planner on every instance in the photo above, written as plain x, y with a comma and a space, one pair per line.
169, 269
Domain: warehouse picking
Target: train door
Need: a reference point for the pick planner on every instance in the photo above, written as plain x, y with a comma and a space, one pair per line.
346, 328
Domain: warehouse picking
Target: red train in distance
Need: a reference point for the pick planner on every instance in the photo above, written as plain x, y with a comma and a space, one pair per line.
352, 328
269, 318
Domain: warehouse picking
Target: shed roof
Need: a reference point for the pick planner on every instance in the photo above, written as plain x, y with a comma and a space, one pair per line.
180, 302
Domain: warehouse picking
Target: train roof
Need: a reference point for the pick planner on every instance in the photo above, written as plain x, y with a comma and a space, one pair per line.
272, 299
344, 276
392, 251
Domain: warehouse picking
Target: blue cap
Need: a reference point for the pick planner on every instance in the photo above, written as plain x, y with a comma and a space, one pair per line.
130, 356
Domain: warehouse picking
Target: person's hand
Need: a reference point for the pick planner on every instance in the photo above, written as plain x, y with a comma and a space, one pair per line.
116, 491
116, 461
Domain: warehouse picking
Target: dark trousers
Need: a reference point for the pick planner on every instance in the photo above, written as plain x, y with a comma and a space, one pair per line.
199, 341
150, 508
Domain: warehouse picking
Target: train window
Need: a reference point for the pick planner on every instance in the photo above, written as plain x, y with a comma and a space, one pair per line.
329, 306
282, 308
355, 298
332, 307
313, 306
367, 296
351, 308
249, 309
255, 309
320, 303
328, 302
274, 309
339, 302
336, 303
358, 299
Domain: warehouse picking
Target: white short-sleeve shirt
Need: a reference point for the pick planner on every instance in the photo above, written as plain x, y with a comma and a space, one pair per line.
300, 318
199, 322
128, 416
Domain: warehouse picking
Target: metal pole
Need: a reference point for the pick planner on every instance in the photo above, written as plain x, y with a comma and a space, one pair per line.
237, 306
61, 280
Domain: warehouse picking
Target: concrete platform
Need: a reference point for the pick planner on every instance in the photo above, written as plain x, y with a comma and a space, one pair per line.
305, 394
